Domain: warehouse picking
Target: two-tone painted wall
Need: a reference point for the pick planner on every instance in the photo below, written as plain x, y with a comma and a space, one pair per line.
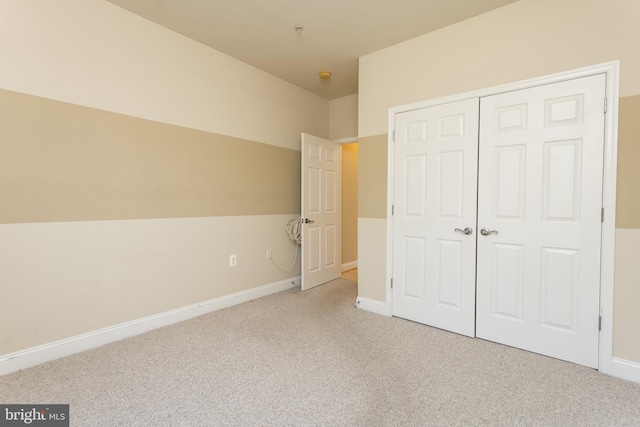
133, 162
526, 39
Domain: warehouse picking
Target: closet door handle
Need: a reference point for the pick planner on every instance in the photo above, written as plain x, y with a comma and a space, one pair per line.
486, 231
467, 230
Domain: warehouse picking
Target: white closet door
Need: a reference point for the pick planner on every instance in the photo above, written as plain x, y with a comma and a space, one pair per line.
540, 186
436, 153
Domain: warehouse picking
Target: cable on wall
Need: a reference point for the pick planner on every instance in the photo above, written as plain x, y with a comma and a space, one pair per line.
294, 230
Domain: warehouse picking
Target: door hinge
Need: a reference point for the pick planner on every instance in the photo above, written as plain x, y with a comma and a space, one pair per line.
393, 138
602, 215
393, 209
600, 323
605, 104
392, 283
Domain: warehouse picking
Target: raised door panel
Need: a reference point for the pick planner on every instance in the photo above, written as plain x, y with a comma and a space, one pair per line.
330, 249
559, 288
450, 184
507, 279
562, 180
510, 177
314, 191
413, 269
449, 274
415, 185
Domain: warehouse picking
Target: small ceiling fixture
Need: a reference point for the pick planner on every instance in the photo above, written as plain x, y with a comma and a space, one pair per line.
298, 28
325, 75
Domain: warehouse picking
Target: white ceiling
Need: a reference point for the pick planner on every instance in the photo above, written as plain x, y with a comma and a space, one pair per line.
336, 32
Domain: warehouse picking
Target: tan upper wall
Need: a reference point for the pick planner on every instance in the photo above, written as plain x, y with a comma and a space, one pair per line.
93, 53
343, 117
628, 186
526, 39
372, 177
65, 162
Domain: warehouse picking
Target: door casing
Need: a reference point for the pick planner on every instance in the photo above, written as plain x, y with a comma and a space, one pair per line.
612, 72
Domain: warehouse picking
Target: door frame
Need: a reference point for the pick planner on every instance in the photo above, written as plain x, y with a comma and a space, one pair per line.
607, 256
344, 141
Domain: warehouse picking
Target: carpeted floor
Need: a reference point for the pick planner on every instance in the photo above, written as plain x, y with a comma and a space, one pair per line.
311, 359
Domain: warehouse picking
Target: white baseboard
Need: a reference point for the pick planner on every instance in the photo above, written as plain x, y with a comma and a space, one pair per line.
349, 265
22, 359
625, 369
371, 305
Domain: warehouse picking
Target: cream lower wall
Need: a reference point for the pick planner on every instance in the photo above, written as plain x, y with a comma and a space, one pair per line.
626, 314
372, 258
67, 278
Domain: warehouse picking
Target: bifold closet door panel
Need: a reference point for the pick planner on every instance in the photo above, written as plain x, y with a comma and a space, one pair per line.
540, 199
435, 179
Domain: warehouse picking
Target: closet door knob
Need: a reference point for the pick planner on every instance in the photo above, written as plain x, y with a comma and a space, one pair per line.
467, 230
486, 231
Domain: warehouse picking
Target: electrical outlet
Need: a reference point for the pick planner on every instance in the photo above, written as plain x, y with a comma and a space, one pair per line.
268, 253
233, 260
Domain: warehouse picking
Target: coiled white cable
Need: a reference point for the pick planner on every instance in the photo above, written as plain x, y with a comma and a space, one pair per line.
294, 230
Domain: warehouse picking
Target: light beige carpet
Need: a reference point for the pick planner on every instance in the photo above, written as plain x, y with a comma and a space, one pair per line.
311, 359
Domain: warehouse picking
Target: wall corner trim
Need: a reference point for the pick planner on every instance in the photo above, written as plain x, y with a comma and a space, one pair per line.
367, 304
33, 356
625, 369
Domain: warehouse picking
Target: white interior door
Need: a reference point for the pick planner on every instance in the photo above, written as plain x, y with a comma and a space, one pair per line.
540, 186
321, 201
436, 154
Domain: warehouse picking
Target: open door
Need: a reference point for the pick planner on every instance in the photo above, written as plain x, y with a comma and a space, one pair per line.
321, 199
